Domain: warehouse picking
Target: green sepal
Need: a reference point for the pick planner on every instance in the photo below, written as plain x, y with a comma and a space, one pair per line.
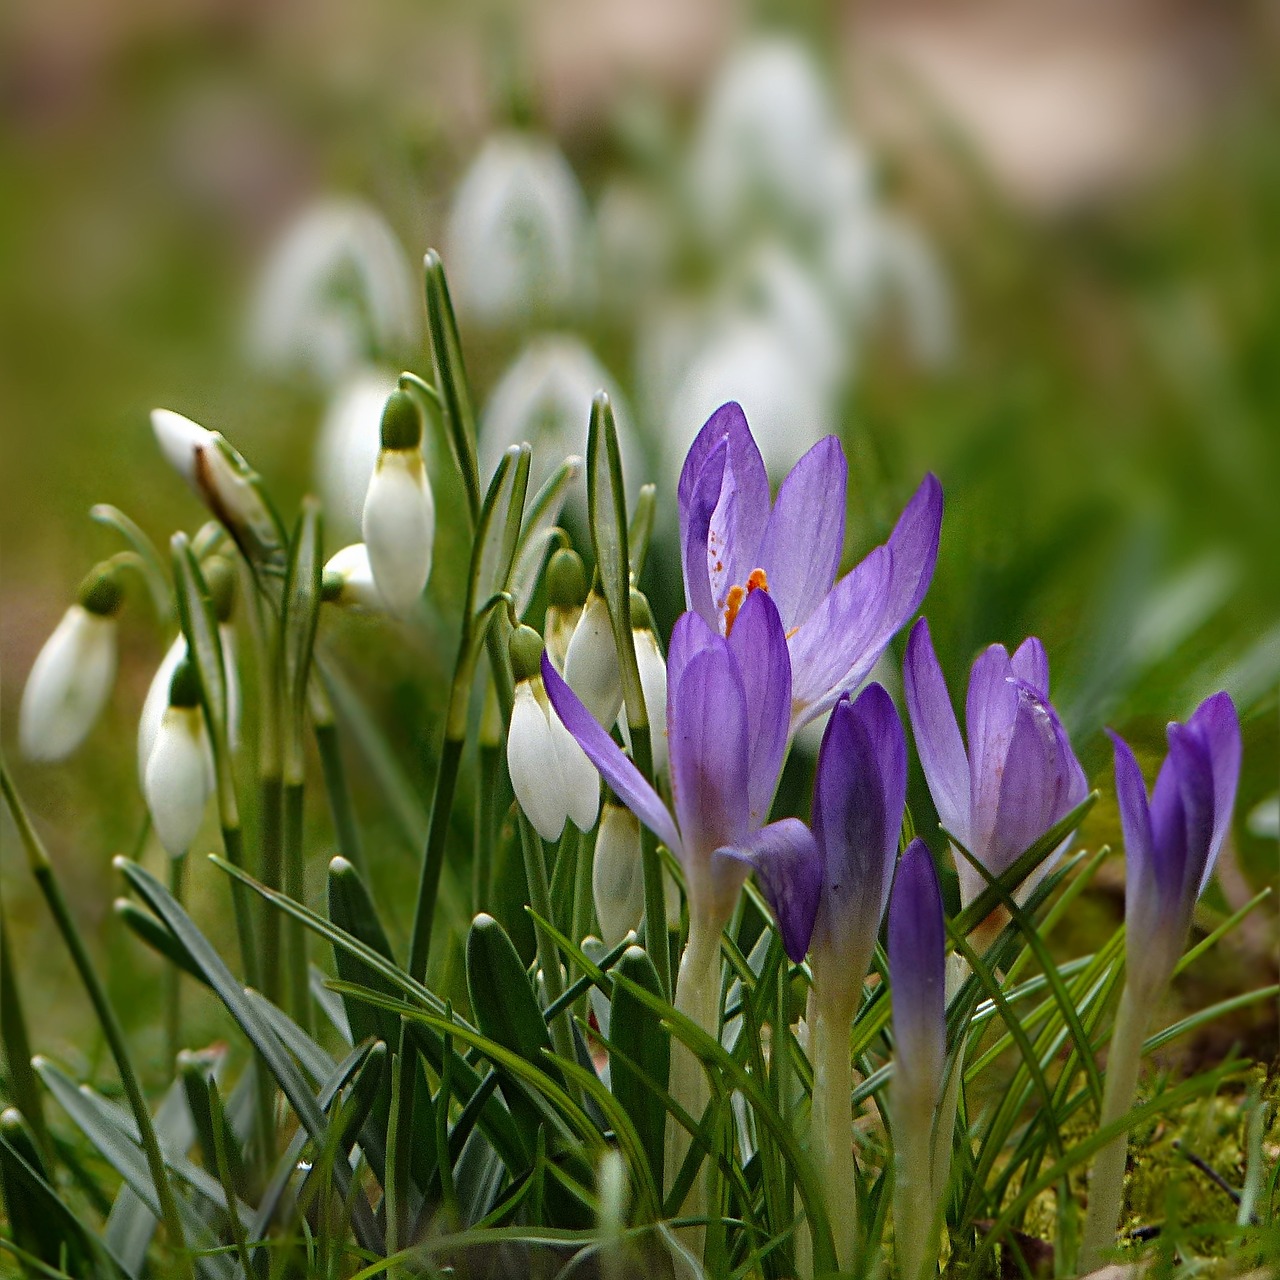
101, 592
640, 532
637, 1031
149, 562
401, 422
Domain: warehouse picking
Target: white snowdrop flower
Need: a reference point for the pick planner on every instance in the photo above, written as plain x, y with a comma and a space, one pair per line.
566, 594
347, 446
181, 441
653, 682
915, 281
617, 874
750, 361
517, 233
550, 774
762, 138
544, 397
636, 241
399, 512
177, 783
336, 290
156, 703
591, 662
72, 675
348, 580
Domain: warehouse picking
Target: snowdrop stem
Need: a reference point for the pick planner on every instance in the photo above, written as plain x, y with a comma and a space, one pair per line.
490, 766
345, 827
43, 871
173, 975
832, 1121
1106, 1182
295, 938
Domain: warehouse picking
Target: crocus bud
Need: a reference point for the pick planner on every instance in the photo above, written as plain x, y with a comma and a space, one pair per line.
348, 580
1171, 842
591, 663
72, 676
516, 233
653, 681
566, 592
177, 781
550, 775
399, 511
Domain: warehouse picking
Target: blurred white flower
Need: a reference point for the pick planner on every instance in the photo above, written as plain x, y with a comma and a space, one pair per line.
751, 361
762, 144
348, 444
336, 291
635, 241
69, 684
544, 398
348, 580
517, 235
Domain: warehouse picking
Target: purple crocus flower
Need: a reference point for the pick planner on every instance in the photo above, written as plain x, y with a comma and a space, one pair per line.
1172, 842
728, 702
1019, 776
734, 539
917, 976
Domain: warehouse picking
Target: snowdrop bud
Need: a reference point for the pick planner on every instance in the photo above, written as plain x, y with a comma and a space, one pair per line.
180, 440
72, 676
550, 775
177, 780
348, 580
399, 511
591, 662
220, 578
516, 232
566, 591
617, 874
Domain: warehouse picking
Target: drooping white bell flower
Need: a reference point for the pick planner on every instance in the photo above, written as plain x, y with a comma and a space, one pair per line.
348, 580
617, 874
156, 703
177, 782
550, 774
399, 512
653, 682
762, 138
347, 446
517, 235
336, 292
544, 398
72, 675
591, 662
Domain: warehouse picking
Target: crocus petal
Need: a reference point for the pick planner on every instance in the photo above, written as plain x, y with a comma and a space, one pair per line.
1216, 719
1135, 822
697, 505
736, 527
938, 741
991, 709
1030, 664
917, 972
534, 764
803, 541
1168, 835
626, 780
708, 745
759, 646
836, 648
1190, 755
689, 636
785, 858
858, 798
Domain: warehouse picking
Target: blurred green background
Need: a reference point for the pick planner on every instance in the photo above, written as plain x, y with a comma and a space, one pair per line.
1099, 191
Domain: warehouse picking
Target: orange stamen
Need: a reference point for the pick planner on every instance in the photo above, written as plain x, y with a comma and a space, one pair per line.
757, 580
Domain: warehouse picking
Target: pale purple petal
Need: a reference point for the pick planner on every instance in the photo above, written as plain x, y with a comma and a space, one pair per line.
938, 741
1031, 664
696, 509
917, 972
737, 525
759, 647
1168, 834
991, 708
834, 651
626, 780
1190, 753
1135, 822
858, 798
707, 727
1216, 719
802, 544
690, 635
785, 858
